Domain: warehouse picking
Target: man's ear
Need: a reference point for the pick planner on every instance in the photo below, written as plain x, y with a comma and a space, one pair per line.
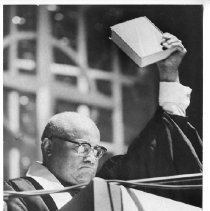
47, 146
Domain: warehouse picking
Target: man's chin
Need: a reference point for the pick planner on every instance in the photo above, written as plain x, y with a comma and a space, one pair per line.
85, 177
84, 180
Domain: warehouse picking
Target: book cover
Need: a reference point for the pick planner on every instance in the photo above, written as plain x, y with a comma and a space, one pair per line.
140, 39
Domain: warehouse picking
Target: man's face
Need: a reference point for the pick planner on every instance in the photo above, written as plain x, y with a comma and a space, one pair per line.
66, 163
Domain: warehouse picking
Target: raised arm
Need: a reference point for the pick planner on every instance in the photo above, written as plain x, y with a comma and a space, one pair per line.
168, 68
158, 85
161, 148
173, 97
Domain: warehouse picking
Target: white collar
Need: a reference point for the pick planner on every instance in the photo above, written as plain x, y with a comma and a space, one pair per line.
48, 181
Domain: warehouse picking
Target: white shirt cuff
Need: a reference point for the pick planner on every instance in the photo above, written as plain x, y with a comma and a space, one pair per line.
174, 97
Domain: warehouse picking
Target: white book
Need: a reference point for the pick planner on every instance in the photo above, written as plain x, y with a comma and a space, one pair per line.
140, 39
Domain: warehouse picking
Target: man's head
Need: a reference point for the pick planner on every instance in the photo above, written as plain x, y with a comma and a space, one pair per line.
66, 144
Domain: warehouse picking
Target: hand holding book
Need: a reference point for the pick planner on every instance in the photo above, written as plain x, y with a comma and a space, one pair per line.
143, 42
168, 68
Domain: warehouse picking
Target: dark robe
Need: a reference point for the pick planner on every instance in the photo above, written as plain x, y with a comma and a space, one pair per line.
168, 145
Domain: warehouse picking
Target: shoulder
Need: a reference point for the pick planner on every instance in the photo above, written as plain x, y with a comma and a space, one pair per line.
16, 203
24, 203
19, 184
111, 169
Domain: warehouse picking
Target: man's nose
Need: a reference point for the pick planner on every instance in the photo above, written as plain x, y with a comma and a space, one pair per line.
90, 157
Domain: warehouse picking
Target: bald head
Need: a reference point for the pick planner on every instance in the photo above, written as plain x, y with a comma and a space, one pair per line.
70, 125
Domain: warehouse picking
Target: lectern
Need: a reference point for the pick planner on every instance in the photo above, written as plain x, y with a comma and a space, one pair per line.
100, 195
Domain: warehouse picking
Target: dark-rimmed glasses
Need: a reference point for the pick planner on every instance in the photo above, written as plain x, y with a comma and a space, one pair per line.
84, 148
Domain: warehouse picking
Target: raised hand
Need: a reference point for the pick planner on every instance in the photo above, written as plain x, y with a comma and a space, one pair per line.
168, 68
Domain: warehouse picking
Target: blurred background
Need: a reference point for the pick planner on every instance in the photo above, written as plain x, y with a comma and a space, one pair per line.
59, 58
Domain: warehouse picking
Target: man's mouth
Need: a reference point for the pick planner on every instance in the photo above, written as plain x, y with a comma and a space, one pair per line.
86, 167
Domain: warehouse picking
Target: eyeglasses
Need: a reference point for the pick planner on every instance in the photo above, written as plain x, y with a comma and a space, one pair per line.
84, 148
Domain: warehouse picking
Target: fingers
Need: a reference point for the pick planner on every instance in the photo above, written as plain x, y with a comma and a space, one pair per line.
167, 35
179, 47
175, 44
169, 38
169, 41
172, 40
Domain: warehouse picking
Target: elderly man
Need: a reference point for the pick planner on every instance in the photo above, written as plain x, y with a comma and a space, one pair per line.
70, 156
71, 150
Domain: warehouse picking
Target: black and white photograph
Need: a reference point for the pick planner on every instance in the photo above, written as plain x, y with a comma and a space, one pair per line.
103, 107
